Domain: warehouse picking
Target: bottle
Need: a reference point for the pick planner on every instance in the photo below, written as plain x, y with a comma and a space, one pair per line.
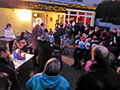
19, 53
15, 55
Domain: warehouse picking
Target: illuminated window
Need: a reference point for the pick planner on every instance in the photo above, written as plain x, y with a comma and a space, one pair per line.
88, 21
73, 12
89, 14
81, 20
81, 13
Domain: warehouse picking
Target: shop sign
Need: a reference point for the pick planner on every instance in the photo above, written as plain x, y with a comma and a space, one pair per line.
84, 7
46, 7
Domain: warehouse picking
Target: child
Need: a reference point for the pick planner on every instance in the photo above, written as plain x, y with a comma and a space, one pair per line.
76, 52
82, 38
79, 54
51, 36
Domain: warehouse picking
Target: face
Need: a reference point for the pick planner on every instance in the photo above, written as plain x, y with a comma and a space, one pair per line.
6, 53
38, 28
25, 35
57, 21
114, 31
65, 37
10, 26
96, 29
86, 26
119, 30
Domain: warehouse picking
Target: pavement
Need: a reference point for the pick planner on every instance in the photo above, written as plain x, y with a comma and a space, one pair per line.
68, 72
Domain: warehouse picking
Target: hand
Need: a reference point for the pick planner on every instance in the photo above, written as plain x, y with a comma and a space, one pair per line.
118, 70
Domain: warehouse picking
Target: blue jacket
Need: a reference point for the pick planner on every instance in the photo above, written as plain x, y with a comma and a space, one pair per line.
44, 82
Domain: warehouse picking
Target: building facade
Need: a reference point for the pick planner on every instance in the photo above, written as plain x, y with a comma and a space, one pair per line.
25, 14
79, 12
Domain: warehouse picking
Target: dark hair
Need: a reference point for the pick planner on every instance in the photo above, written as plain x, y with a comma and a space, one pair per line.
22, 34
42, 24
91, 28
46, 30
114, 29
36, 27
107, 29
7, 25
3, 46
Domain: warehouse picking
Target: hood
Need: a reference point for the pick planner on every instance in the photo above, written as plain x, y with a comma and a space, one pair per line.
50, 82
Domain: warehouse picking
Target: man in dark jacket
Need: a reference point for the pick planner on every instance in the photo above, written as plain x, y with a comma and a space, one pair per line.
7, 66
44, 51
57, 37
102, 77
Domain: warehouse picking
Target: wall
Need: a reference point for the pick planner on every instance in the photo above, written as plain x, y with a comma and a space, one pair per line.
105, 24
92, 1
19, 20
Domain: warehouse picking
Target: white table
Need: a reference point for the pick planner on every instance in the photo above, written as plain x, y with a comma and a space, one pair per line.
18, 63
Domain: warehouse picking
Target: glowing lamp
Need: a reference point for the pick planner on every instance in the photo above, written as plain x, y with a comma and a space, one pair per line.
24, 14
35, 14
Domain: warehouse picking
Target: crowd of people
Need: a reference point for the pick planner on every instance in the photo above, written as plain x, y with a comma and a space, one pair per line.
95, 50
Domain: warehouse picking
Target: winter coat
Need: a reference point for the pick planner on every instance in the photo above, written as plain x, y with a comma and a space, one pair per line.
42, 81
101, 78
8, 67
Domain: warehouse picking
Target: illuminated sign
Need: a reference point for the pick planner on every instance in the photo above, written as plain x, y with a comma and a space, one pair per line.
81, 7
46, 7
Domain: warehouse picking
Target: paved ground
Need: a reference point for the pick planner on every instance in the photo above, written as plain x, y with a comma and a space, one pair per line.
70, 73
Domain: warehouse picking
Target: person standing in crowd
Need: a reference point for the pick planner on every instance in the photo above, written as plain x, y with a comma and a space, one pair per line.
97, 33
51, 36
7, 66
86, 30
9, 35
114, 35
76, 52
44, 51
65, 28
83, 37
102, 76
35, 33
118, 40
42, 27
91, 32
57, 24
57, 37
71, 29
61, 24
65, 41
86, 55
103, 35
49, 79
77, 29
